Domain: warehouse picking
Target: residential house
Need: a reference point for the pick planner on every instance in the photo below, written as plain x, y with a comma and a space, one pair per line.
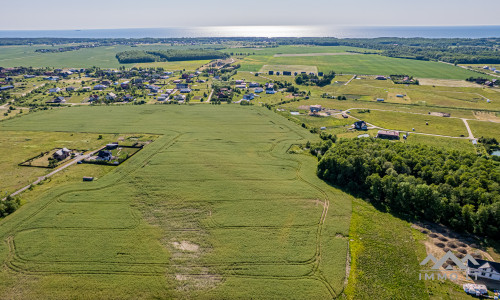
287, 73
239, 81
388, 134
124, 85
180, 86
186, 90
7, 87
111, 96
61, 154
128, 98
315, 108
360, 125
179, 97
93, 98
258, 90
54, 90
248, 97
104, 155
241, 86
100, 87
70, 88
253, 84
271, 73
485, 269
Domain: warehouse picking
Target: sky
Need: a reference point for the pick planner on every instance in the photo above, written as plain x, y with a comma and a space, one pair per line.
110, 14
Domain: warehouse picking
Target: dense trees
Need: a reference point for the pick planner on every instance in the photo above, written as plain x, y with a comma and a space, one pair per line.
8, 206
312, 79
459, 189
139, 56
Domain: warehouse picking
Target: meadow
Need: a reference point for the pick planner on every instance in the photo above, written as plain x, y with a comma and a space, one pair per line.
213, 208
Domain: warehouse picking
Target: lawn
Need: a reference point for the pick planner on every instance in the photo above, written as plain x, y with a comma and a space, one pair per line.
213, 208
485, 129
408, 121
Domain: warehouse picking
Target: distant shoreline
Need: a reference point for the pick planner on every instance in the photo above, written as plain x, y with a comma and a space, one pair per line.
267, 31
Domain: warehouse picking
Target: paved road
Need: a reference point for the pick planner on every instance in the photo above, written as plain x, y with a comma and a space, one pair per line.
72, 162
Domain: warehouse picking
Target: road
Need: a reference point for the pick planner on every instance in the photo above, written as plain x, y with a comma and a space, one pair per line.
72, 162
471, 136
353, 77
210, 96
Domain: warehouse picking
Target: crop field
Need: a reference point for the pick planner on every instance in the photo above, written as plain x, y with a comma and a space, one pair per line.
213, 208
485, 129
104, 57
291, 68
362, 64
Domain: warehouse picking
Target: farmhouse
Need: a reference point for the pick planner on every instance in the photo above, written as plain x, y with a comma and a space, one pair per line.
485, 269
388, 134
315, 108
61, 154
360, 125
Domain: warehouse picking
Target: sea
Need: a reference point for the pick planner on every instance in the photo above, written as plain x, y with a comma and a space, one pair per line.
267, 31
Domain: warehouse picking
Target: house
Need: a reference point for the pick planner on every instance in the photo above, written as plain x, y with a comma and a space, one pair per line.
185, 76
180, 86
475, 289
186, 90
486, 68
100, 87
270, 88
180, 97
162, 98
111, 96
248, 97
70, 88
315, 108
177, 81
388, 134
485, 269
111, 146
124, 85
271, 73
104, 155
239, 81
287, 73
259, 90
360, 125
253, 84
29, 76
54, 90
59, 99
7, 87
61, 154
93, 98
241, 86
128, 98
86, 88
105, 82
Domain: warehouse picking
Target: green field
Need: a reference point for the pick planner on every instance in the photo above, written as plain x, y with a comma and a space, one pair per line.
362, 64
214, 208
104, 57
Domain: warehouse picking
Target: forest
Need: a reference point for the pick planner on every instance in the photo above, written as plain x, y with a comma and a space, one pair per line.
455, 188
140, 56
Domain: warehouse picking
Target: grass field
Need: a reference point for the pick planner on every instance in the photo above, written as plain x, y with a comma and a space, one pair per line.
214, 208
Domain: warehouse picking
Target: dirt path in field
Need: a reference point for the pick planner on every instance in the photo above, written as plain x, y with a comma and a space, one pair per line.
447, 82
353, 77
471, 136
314, 54
72, 162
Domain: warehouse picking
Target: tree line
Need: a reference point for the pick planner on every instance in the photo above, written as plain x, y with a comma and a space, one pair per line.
455, 188
140, 56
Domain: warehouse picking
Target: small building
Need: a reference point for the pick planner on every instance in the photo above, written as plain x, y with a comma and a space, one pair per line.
380, 100
162, 98
7, 87
125, 85
271, 73
320, 73
248, 97
93, 98
54, 90
360, 125
180, 86
111, 146
253, 84
111, 96
287, 73
241, 86
99, 87
485, 269
61, 154
59, 99
259, 90
29, 76
400, 95
70, 89
315, 108
388, 134
239, 81
104, 155
128, 98
179, 97
381, 78
87, 178
186, 90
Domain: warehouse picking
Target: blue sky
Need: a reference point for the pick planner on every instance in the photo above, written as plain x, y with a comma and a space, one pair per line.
88, 14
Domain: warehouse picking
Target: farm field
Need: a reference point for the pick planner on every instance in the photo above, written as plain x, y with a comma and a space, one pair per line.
362, 64
103, 57
213, 208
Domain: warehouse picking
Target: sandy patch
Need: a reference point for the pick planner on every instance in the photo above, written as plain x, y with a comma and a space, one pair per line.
486, 116
186, 246
447, 82
314, 54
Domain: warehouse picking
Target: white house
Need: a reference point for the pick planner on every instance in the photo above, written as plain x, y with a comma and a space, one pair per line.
485, 269
54, 90
180, 97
